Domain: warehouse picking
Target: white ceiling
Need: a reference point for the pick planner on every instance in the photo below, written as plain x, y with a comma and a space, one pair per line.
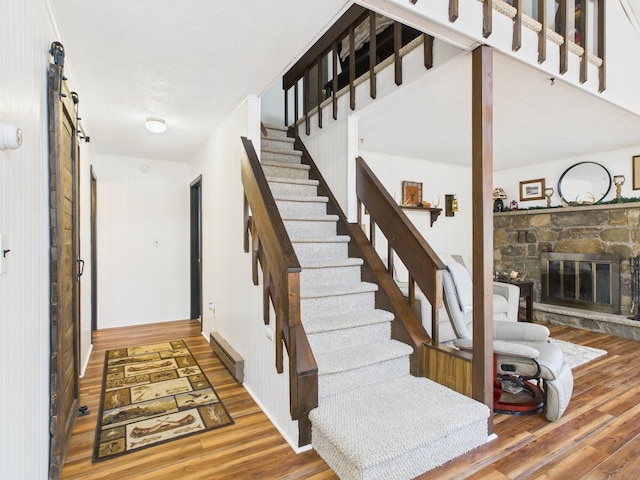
192, 61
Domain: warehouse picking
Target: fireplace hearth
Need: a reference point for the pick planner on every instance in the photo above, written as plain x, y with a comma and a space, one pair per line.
588, 281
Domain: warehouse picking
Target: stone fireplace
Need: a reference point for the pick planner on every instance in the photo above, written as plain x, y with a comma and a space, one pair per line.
522, 237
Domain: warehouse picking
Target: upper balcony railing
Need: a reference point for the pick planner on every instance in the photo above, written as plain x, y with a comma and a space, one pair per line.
362, 42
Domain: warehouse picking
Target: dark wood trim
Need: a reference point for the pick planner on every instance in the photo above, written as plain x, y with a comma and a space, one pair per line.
487, 18
372, 54
353, 15
352, 68
428, 50
542, 34
482, 186
397, 58
564, 29
306, 93
517, 26
602, 44
584, 40
319, 90
195, 249
334, 81
454, 10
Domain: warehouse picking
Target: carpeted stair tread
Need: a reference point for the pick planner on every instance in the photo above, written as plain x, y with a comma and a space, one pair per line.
338, 290
322, 263
310, 218
300, 198
292, 181
332, 239
279, 137
397, 429
293, 166
283, 150
346, 320
274, 126
361, 356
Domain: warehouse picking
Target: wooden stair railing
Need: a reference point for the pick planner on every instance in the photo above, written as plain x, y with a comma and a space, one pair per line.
273, 252
443, 364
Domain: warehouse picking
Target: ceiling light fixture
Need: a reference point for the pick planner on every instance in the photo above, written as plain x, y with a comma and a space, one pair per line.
155, 125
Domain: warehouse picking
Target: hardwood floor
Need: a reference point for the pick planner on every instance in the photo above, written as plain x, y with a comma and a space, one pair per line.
597, 438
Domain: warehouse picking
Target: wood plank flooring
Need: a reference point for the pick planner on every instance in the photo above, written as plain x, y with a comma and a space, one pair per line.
597, 438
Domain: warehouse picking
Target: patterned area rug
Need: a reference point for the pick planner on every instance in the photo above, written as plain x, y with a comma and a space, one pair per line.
576, 355
152, 394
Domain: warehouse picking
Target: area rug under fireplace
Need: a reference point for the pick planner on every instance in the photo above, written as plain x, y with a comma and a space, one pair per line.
153, 394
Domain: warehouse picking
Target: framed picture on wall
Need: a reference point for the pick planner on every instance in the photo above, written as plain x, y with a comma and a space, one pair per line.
411, 193
636, 172
532, 190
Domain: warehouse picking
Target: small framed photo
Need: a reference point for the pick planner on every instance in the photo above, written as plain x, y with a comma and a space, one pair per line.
636, 172
532, 190
411, 194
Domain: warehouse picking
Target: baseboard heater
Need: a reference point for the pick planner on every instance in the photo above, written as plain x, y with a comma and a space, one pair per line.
228, 356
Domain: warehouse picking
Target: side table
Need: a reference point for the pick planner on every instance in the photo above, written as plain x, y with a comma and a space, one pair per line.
526, 292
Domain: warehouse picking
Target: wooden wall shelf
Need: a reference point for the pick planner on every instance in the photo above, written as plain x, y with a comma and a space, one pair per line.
435, 212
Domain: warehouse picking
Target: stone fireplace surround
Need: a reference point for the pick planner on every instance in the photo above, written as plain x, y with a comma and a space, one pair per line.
521, 236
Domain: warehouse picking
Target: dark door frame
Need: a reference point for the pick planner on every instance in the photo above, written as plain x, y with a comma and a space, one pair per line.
195, 221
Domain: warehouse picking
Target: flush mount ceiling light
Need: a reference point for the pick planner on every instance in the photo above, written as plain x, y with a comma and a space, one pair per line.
155, 124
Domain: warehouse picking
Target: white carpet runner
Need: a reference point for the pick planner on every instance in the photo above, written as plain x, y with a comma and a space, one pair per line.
374, 420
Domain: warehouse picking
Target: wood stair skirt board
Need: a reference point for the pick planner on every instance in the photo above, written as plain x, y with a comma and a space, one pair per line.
228, 356
374, 420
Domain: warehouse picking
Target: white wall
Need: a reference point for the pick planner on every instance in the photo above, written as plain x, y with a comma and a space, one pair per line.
450, 235
138, 281
226, 274
25, 35
618, 162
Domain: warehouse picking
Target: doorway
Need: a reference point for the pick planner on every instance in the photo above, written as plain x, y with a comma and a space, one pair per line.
196, 248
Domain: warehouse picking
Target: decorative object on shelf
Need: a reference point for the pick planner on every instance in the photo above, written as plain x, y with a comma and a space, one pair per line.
618, 181
411, 194
436, 204
548, 192
10, 136
636, 172
584, 183
498, 196
450, 205
513, 205
532, 190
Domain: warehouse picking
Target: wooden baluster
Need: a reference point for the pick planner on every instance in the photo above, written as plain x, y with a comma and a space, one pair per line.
352, 68
487, 18
286, 107
517, 26
305, 102
255, 246
372, 232
319, 93
564, 29
295, 103
435, 324
334, 82
247, 223
390, 258
266, 289
542, 35
601, 45
428, 50
397, 45
372, 54
453, 10
279, 339
412, 292
584, 36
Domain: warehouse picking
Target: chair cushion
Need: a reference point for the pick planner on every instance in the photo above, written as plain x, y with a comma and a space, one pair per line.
500, 304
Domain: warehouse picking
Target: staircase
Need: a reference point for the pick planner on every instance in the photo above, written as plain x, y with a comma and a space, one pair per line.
374, 420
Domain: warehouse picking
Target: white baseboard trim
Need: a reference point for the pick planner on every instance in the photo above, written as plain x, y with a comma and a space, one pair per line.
291, 442
492, 437
86, 361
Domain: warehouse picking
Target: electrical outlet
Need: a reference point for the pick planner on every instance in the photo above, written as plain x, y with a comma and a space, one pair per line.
156, 242
212, 307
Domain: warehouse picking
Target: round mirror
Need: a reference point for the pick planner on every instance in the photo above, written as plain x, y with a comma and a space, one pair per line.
584, 183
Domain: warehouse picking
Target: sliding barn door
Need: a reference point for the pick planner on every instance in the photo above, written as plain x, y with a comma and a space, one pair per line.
63, 165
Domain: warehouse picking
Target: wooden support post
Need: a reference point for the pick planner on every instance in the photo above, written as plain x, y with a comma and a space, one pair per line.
334, 81
542, 35
482, 186
352, 68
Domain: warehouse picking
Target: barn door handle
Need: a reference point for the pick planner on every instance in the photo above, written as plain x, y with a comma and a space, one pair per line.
80, 262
